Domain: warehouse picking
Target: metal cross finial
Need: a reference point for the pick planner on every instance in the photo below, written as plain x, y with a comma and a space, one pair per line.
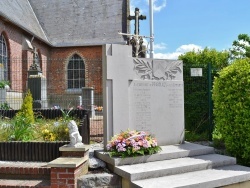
137, 17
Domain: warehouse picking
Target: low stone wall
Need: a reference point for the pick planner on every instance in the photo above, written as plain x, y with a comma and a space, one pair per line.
106, 180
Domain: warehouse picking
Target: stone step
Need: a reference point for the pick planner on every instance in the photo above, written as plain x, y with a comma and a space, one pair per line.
14, 183
24, 170
210, 178
168, 152
171, 167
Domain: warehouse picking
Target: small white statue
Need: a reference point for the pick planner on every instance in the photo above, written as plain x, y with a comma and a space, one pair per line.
74, 135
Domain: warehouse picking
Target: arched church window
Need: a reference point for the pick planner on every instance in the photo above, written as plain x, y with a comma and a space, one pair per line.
76, 72
3, 59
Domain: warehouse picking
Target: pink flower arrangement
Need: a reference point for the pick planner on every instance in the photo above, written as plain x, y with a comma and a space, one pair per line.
132, 143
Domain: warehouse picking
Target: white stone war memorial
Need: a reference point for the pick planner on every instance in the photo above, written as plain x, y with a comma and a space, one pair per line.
142, 94
147, 95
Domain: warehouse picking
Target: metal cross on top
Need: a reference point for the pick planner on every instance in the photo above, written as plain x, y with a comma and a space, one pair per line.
136, 40
137, 17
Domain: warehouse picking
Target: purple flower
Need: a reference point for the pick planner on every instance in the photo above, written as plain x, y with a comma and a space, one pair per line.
136, 148
145, 144
121, 149
109, 146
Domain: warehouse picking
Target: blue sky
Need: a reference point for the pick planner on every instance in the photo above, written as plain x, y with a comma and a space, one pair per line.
183, 25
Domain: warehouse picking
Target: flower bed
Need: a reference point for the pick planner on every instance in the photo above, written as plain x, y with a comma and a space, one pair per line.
132, 143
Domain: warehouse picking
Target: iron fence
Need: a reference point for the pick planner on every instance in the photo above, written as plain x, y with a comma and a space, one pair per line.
57, 84
52, 88
198, 80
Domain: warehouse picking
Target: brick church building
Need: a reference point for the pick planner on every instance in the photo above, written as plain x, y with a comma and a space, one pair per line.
62, 39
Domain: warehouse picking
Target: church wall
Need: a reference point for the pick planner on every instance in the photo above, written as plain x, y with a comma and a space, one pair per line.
53, 63
19, 58
91, 55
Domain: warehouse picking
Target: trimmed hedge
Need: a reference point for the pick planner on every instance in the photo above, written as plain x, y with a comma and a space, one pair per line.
231, 95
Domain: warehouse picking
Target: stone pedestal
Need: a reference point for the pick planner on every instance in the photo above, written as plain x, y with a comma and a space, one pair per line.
66, 169
38, 88
88, 100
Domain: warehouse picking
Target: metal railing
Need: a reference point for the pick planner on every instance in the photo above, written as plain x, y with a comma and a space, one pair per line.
50, 89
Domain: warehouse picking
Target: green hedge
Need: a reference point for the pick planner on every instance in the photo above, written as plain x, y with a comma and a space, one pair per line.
231, 96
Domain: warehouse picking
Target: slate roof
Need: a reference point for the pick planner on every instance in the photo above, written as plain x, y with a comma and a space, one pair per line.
65, 23
21, 14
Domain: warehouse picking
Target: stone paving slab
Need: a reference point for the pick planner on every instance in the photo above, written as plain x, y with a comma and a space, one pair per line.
209, 178
171, 167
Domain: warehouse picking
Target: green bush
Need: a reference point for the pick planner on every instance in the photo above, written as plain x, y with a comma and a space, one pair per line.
27, 109
231, 95
20, 129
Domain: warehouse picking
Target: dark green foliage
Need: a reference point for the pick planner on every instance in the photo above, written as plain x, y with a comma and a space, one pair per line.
196, 96
192, 136
196, 100
5, 106
231, 95
3, 83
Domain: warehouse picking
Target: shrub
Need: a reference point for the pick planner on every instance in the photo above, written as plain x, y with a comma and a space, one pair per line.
27, 109
20, 129
231, 95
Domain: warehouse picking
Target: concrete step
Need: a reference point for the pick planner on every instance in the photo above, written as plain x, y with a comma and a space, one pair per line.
14, 183
171, 167
210, 178
24, 170
168, 152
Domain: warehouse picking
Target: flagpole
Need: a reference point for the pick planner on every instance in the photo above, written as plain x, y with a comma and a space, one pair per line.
151, 28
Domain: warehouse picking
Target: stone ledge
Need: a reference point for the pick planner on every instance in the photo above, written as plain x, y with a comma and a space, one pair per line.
68, 162
168, 152
99, 180
70, 148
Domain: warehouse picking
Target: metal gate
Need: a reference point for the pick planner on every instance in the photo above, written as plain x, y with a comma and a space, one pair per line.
198, 104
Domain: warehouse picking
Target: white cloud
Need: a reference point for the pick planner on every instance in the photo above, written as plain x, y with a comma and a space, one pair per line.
173, 55
136, 3
143, 5
161, 46
159, 5
188, 47
179, 51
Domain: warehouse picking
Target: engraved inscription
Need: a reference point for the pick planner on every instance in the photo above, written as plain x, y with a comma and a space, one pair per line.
147, 97
142, 106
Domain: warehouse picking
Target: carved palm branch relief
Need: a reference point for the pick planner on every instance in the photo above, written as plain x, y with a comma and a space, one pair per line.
157, 70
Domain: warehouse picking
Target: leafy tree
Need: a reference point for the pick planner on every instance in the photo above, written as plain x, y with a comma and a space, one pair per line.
240, 47
203, 57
